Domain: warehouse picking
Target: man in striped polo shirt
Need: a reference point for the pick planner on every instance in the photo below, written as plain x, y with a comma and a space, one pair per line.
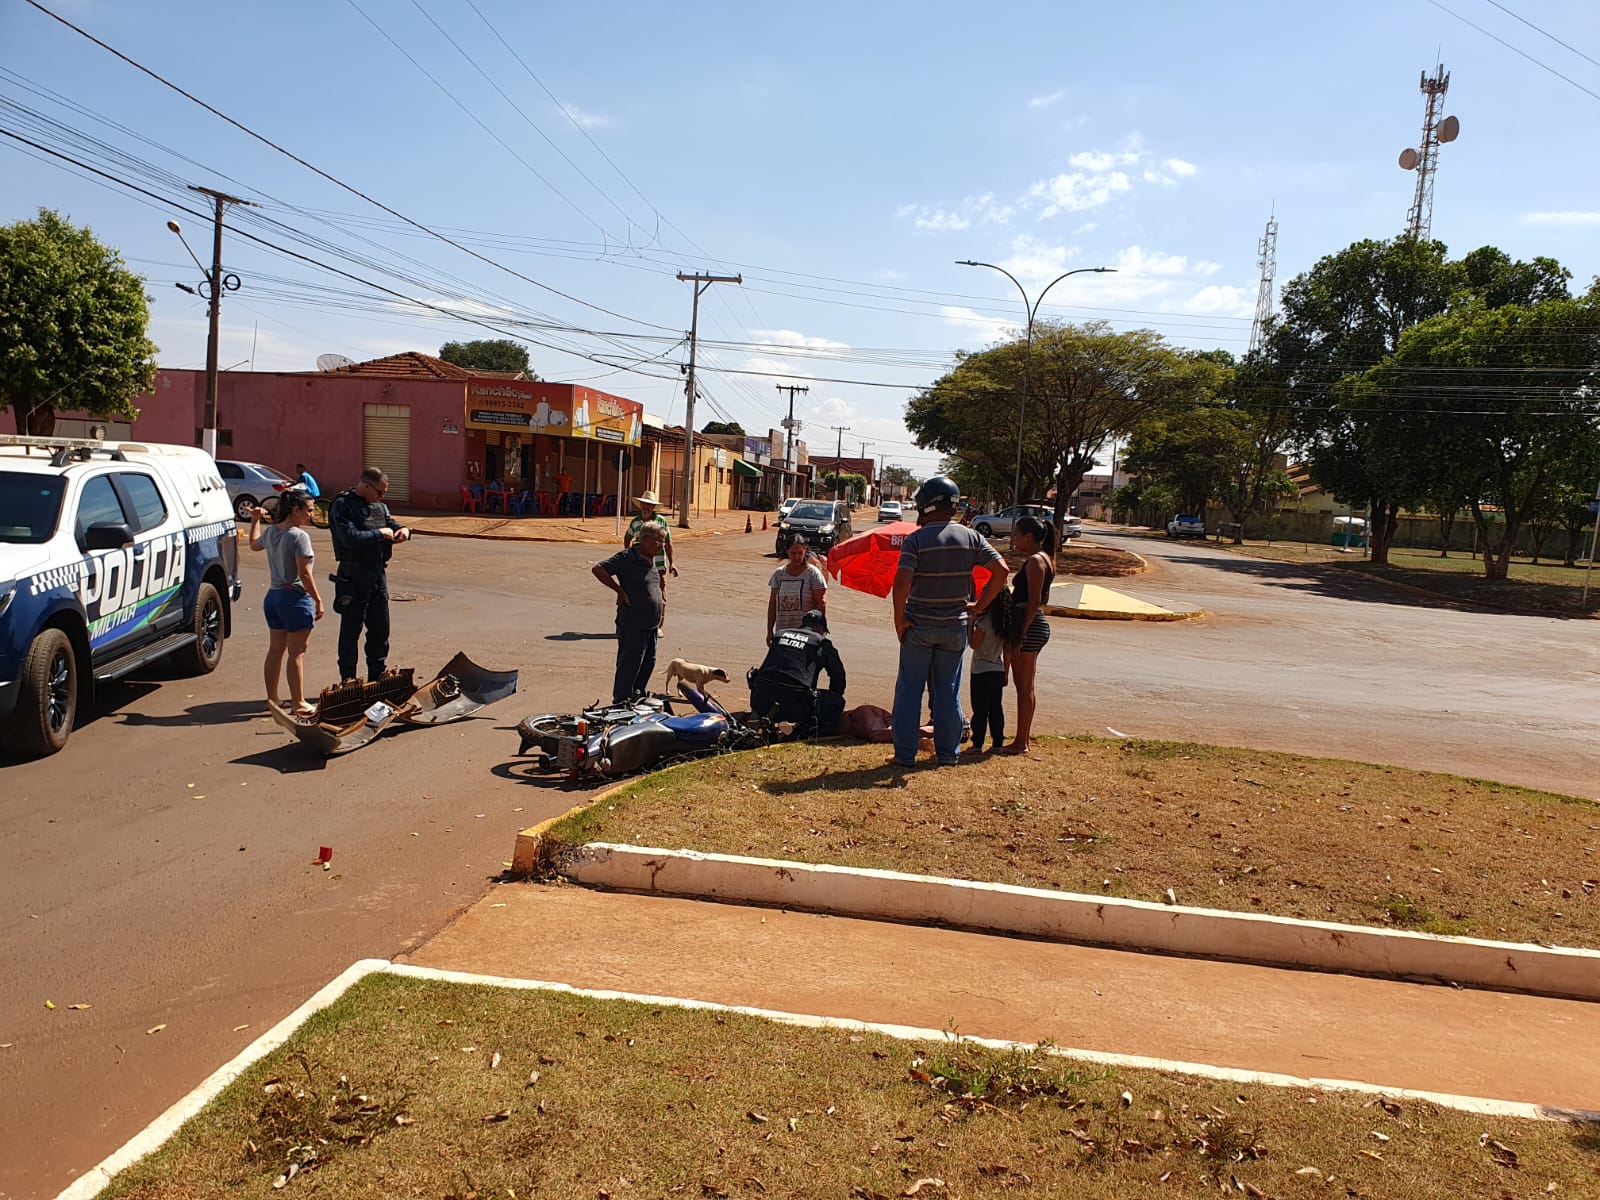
932, 602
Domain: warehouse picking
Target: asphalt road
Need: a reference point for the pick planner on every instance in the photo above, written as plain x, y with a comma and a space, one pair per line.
161, 869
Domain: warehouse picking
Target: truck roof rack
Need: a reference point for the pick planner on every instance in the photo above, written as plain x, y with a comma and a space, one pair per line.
65, 449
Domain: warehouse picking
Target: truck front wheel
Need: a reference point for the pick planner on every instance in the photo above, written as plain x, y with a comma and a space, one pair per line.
47, 696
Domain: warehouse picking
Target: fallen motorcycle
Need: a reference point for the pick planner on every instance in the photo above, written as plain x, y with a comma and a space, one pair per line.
651, 739
546, 730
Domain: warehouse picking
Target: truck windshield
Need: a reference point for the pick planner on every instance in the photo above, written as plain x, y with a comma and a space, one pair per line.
29, 506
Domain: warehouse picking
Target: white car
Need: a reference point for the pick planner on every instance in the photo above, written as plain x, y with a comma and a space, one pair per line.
889, 510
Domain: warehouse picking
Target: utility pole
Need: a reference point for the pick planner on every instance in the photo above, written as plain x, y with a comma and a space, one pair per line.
838, 458
701, 283
880, 479
790, 428
211, 289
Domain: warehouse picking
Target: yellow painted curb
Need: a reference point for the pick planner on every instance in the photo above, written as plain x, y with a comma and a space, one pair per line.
1087, 614
530, 841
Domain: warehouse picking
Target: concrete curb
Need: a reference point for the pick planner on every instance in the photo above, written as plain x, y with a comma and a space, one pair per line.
1093, 614
529, 851
150, 1139
1092, 920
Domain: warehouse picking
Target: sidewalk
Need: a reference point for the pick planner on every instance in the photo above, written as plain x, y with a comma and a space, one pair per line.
1299, 1023
596, 530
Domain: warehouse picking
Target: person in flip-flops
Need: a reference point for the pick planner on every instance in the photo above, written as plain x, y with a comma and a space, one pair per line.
292, 606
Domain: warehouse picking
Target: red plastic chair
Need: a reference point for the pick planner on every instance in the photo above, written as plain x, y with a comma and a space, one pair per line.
547, 504
470, 502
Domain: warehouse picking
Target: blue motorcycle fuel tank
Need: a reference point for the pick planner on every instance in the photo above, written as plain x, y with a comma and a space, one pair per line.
648, 741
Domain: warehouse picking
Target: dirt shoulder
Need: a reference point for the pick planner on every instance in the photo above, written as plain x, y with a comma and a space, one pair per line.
1232, 829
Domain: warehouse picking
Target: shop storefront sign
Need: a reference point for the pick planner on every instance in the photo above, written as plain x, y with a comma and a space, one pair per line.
553, 409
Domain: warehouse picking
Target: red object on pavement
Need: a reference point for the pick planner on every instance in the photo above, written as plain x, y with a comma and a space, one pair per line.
325, 854
868, 561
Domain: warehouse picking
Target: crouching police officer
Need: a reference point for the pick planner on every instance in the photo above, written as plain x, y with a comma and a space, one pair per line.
783, 687
364, 537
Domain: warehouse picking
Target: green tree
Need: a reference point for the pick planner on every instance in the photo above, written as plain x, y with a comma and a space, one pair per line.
1522, 391
1086, 383
852, 485
1342, 317
724, 427
73, 321
488, 354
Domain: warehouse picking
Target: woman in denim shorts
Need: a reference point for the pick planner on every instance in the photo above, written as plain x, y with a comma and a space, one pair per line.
292, 605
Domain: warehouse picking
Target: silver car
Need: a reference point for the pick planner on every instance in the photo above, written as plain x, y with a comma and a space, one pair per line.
1000, 523
249, 484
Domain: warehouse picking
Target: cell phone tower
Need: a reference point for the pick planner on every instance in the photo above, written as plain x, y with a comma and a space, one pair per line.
1268, 247
1425, 159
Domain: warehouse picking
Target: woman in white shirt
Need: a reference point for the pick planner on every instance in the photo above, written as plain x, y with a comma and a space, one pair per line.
797, 587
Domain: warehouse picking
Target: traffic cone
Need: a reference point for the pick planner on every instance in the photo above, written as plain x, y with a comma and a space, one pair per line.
747, 528
763, 522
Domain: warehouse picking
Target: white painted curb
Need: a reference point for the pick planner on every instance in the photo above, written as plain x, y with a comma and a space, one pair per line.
1092, 920
156, 1134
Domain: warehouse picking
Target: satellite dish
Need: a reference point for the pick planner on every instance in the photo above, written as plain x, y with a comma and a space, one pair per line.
332, 362
1408, 161
1449, 129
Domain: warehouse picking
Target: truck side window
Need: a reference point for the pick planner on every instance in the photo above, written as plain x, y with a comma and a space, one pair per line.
149, 509
98, 505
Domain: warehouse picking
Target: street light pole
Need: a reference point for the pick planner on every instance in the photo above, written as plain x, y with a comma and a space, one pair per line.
211, 290
1032, 311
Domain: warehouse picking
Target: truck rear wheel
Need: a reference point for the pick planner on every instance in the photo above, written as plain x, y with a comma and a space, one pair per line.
47, 696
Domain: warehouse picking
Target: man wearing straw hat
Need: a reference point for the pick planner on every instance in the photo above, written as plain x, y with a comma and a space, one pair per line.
648, 503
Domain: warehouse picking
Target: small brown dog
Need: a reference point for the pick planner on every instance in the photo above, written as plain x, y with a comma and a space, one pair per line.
693, 674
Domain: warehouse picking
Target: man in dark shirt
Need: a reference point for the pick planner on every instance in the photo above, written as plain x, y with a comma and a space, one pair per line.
364, 538
783, 688
641, 611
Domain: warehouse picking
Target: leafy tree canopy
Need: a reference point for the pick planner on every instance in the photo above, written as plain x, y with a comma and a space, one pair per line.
724, 427
488, 354
73, 323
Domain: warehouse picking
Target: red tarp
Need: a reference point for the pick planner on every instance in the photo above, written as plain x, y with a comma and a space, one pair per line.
868, 561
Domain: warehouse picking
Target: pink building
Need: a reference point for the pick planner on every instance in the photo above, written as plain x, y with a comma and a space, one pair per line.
432, 427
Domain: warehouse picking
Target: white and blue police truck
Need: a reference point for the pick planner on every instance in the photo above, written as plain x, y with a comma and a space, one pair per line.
111, 556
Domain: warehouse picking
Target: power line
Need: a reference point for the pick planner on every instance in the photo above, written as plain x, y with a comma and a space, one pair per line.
1545, 32
1541, 64
289, 154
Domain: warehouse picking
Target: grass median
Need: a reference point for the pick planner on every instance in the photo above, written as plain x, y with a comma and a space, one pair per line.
416, 1088
1234, 829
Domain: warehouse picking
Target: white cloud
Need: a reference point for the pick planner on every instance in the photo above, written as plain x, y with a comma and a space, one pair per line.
987, 329
1205, 267
1078, 191
1134, 261
1047, 101
1222, 300
1099, 176
1087, 227
1569, 217
788, 337
981, 210
588, 120
1034, 260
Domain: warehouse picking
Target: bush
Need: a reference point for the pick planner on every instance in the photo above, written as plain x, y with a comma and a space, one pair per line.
764, 503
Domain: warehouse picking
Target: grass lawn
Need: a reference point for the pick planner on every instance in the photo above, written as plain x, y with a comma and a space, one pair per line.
1234, 829
413, 1088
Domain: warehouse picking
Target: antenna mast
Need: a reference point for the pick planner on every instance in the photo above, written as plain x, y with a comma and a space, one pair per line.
1425, 160
1268, 260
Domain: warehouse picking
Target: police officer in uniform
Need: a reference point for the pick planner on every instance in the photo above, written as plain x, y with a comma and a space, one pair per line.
364, 537
783, 686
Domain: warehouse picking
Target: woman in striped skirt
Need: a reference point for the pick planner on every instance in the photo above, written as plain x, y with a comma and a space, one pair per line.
1029, 628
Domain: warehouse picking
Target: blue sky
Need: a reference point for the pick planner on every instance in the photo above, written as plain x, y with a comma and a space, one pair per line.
840, 157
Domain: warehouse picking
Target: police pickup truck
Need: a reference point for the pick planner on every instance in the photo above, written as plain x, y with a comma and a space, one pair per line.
111, 557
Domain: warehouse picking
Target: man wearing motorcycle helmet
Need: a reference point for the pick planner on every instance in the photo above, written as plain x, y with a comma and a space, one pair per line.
933, 602
784, 686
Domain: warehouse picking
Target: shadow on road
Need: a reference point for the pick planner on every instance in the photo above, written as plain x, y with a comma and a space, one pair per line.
527, 770
221, 712
1326, 580
571, 636
289, 758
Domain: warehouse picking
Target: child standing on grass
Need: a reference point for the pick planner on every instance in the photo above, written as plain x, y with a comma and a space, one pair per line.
988, 680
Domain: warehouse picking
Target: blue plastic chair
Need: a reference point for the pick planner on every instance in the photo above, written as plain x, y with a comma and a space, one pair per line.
522, 503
